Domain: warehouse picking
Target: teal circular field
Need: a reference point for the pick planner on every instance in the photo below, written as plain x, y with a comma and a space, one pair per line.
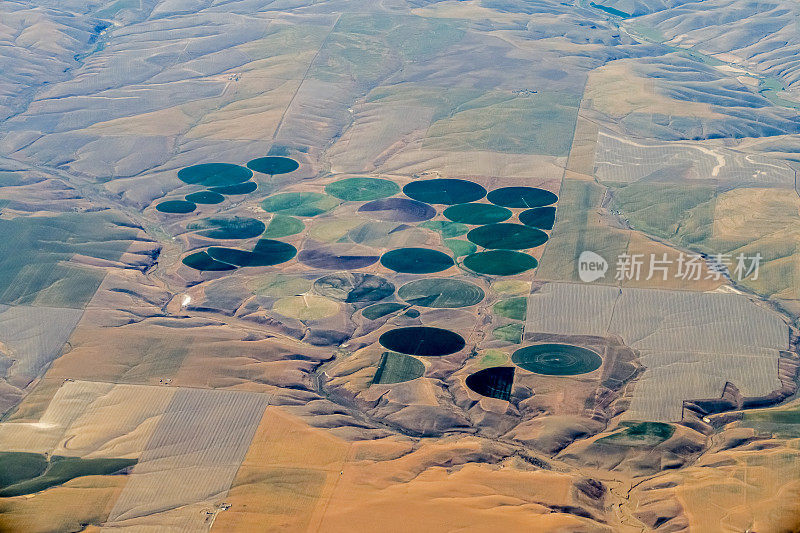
273, 165
557, 359
477, 214
204, 262
376, 311
205, 197
494, 382
422, 340
238, 188
267, 252
416, 260
228, 227
441, 293
362, 189
214, 174
178, 207
500, 262
526, 197
299, 204
539, 217
507, 236
446, 191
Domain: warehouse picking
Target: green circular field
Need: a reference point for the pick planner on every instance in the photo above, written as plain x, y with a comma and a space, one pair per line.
354, 287
380, 310
267, 252
214, 174
422, 340
477, 214
521, 197
444, 191
273, 165
204, 262
416, 260
299, 204
245, 187
500, 262
205, 197
362, 189
228, 227
441, 293
445, 228
539, 217
507, 236
283, 226
557, 359
397, 368
180, 207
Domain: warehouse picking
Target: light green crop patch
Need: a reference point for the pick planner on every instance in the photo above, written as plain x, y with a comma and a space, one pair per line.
502, 121
364, 47
34, 252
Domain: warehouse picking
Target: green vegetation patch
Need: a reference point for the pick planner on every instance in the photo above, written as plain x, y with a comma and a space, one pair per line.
423, 341
267, 252
477, 214
376, 311
500, 262
35, 254
273, 165
495, 382
509, 333
507, 236
557, 359
445, 228
203, 262
640, 434
283, 226
362, 189
416, 260
460, 248
27, 473
444, 191
526, 197
398, 368
493, 358
299, 204
539, 217
179, 207
239, 188
441, 293
354, 287
214, 174
277, 285
205, 197
514, 308
228, 227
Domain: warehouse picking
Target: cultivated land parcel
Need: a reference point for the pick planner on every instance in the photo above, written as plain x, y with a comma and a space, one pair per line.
314, 265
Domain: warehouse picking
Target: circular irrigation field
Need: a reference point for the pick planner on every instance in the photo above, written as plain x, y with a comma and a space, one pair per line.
416, 260
441, 293
228, 227
299, 204
355, 287
180, 207
495, 382
362, 189
267, 252
444, 191
539, 217
214, 174
557, 359
500, 262
507, 236
273, 165
526, 197
422, 340
398, 210
477, 214
205, 197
